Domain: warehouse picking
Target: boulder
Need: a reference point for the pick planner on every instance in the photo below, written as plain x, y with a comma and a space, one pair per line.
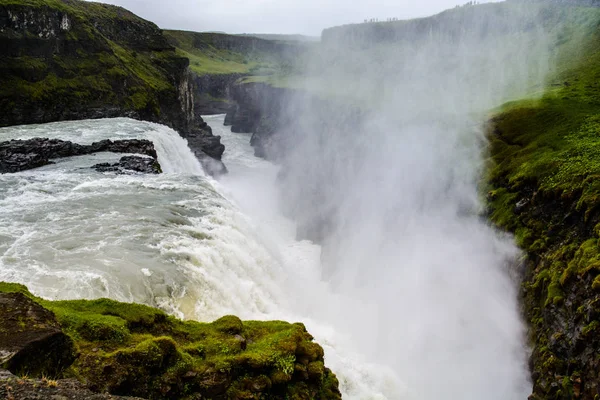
31, 340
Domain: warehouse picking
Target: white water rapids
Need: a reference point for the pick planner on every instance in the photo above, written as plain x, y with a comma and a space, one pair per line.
181, 241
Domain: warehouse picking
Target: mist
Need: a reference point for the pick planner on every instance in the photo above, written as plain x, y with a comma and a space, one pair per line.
383, 167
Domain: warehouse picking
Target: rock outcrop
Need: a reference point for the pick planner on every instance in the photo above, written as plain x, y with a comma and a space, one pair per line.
135, 350
219, 61
31, 340
21, 155
72, 60
129, 164
267, 113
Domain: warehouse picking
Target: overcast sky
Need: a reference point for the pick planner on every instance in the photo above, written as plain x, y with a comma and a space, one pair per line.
307, 17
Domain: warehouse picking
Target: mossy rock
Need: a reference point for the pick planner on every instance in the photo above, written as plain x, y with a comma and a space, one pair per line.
135, 350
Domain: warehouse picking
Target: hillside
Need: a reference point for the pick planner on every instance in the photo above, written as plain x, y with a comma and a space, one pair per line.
73, 60
219, 61
544, 179
97, 59
218, 53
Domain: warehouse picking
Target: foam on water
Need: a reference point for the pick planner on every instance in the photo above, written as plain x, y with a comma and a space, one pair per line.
192, 246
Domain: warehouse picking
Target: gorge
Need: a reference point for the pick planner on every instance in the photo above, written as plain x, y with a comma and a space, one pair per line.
419, 195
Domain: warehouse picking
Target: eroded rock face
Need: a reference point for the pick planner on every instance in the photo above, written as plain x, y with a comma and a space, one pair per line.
21, 155
31, 340
208, 149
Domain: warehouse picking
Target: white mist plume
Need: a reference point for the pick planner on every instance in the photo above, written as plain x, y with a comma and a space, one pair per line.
392, 192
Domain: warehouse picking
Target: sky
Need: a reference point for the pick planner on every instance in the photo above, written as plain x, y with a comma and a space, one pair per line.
308, 17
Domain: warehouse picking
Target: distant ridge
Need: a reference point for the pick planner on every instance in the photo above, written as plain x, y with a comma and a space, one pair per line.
282, 37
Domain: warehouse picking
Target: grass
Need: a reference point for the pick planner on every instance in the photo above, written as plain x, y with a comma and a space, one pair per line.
218, 54
543, 182
137, 350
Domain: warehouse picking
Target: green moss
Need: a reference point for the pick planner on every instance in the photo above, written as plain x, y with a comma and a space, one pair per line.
6, 287
591, 327
544, 186
219, 54
91, 71
138, 350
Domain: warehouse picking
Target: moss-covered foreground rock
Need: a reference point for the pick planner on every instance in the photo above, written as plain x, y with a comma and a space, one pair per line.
544, 179
135, 350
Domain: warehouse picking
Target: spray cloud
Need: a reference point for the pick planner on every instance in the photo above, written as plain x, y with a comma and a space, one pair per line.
383, 167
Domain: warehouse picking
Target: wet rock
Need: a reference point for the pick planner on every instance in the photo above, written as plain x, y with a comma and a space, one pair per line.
209, 144
21, 155
31, 340
137, 146
15, 162
230, 115
208, 149
130, 164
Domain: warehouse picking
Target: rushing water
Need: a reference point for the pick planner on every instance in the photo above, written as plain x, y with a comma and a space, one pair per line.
181, 241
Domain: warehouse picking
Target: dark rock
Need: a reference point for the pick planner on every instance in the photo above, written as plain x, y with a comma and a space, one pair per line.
208, 149
230, 115
136, 146
15, 162
130, 164
31, 340
15, 388
21, 155
209, 144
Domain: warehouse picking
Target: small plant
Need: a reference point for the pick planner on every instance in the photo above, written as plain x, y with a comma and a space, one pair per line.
285, 363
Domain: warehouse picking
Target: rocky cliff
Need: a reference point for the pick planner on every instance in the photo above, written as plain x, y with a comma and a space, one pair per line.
219, 61
544, 186
71, 59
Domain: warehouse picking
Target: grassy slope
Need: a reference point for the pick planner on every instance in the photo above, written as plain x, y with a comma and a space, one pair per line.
553, 142
545, 187
94, 69
132, 349
209, 56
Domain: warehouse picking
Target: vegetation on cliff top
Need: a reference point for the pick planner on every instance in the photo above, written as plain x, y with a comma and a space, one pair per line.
217, 53
89, 55
132, 349
544, 178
